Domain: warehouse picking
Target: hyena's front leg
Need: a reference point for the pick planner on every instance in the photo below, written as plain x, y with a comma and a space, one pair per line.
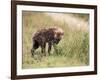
49, 47
34, 47
43, 45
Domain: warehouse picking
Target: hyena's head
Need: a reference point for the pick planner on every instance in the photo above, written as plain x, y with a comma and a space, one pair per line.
58, 34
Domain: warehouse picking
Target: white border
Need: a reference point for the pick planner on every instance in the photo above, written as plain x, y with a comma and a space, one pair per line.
21, 71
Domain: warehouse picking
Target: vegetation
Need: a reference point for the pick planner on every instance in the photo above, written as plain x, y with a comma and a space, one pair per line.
73, 49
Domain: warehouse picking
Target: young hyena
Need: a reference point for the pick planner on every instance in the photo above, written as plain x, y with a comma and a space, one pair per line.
51, 36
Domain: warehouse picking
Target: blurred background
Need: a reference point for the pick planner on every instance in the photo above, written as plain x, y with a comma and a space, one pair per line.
73, 49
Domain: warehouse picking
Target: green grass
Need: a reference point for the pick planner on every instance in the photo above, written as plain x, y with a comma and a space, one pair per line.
73, 49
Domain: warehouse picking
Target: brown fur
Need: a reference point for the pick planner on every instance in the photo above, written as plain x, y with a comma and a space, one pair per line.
51, 36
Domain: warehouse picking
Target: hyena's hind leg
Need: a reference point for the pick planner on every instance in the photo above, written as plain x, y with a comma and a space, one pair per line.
34, 47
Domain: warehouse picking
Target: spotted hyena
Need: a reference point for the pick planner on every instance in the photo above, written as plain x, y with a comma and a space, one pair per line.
52, 36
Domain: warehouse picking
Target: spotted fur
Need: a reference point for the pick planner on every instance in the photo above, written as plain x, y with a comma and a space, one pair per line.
51, 36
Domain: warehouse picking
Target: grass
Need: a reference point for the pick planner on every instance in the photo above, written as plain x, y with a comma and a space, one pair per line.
73, 49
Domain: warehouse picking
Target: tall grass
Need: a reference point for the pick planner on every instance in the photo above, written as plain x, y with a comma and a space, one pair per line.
73, 49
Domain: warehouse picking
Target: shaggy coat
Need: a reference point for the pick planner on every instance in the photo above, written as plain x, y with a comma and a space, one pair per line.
51, 36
